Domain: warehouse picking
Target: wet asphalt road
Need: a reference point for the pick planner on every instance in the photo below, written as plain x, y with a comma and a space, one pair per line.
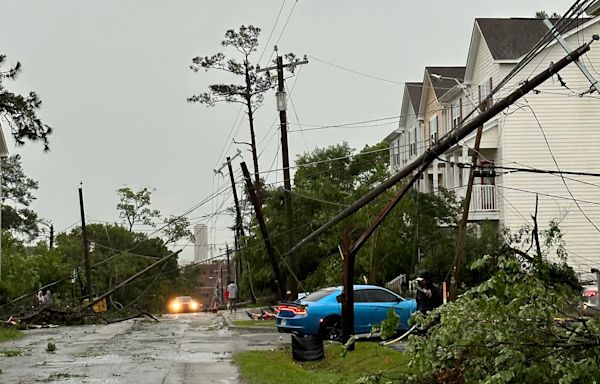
189, 348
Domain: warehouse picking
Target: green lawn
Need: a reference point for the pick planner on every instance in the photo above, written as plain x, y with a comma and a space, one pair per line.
253, 323
9, 334
266, 367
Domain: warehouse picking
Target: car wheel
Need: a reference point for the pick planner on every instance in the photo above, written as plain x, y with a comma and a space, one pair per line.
332, 329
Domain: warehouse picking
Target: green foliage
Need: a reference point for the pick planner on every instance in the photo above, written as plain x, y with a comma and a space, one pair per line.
253, 85
18, 190
389, 326
544, 15
26, 268
520, 325
7, 334
134, 207
176, 228
19, 112
51, 347
331, 178
117, 254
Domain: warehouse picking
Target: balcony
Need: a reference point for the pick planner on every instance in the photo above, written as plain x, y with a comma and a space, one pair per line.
484, 203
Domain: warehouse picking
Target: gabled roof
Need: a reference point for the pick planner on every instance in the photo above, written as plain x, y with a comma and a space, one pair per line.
441, 86
414, 93
509, 39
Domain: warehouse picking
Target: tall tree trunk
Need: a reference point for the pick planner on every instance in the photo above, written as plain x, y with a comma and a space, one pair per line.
248, 97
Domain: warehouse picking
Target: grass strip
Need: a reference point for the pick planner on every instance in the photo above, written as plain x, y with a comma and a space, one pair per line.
7, 334
368, 359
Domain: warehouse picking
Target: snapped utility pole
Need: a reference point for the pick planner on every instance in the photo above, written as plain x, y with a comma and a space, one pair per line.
281, 97
447, 142
239, 226
420, 164
264, 232
86, 246
462, 226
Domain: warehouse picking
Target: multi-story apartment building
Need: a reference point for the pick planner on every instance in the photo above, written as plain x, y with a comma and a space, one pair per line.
556, 127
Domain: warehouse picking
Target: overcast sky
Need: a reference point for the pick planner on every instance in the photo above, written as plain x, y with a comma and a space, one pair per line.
114, 77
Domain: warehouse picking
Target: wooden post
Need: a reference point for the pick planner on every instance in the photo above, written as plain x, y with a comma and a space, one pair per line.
348, 292
86, 246
264, 232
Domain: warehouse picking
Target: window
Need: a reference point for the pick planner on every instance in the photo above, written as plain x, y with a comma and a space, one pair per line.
380, 296
485, 88
412, 140
433, 129
361, 296
456, 113
316, 296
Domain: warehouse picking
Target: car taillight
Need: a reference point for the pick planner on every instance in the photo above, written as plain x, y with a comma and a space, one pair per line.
292, 308
590, 293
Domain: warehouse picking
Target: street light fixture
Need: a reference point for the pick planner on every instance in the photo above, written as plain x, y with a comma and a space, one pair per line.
460, 85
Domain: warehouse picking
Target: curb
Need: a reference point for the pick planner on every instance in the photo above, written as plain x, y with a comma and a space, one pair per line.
249, 329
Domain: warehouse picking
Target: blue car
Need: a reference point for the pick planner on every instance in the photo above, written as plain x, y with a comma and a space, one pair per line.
320, 313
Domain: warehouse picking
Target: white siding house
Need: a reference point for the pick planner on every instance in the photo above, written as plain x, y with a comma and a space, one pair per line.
552, 128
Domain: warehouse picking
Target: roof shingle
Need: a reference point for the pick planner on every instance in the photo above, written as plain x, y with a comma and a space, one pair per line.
509, 39
441, 86
414, 93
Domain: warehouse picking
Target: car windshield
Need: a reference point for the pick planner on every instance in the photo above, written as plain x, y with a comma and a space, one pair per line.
184, 299
316, 296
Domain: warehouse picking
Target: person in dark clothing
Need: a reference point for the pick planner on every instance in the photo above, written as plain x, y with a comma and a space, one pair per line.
428, 296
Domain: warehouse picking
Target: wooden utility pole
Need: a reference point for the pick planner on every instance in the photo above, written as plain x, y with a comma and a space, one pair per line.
264, 232
86, 246
238, 212
287, 184
462, 226
228, 268
348, 293
51, 245
239, 225
448, 141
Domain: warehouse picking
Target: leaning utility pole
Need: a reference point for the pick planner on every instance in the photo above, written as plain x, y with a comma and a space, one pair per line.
264, 232
446, 143
129, 280
421, 163
281, 98
86, 245
228, 267
462, 226
239, 225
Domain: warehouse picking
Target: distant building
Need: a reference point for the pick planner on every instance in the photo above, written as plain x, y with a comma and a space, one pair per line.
201, 243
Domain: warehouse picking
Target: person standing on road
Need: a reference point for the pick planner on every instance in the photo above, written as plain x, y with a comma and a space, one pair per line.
232, 291
428, 295
216, 301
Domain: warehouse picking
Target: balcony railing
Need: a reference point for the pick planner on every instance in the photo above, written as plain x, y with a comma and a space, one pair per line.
483, 198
